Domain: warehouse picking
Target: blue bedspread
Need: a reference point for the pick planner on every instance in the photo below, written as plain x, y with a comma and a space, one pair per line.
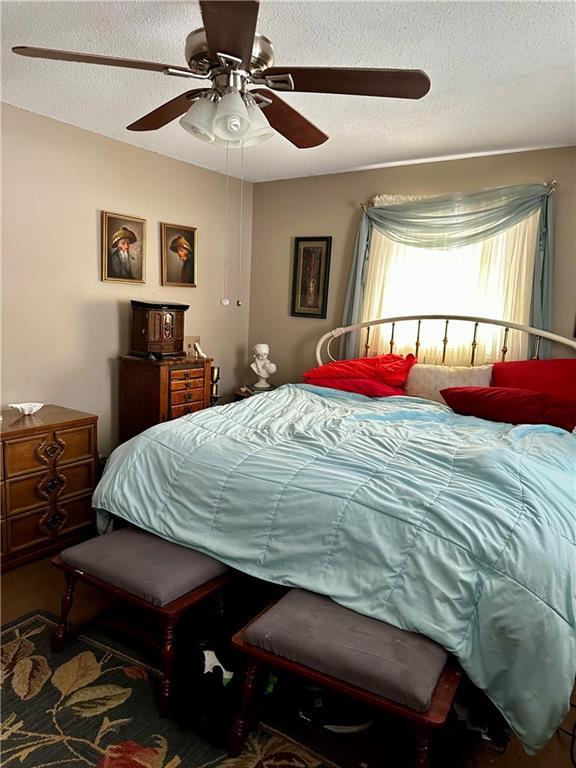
458, 528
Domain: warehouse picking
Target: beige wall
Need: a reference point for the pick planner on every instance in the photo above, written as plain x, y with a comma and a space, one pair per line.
329, 205
63, 328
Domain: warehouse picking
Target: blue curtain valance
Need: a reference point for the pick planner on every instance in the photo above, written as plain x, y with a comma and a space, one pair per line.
453, 221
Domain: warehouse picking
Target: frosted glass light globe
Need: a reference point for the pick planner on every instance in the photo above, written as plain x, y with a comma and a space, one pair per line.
231, 121
261, 129
199, 119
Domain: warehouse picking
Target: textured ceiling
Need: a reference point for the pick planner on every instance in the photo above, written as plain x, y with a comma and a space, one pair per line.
503, 76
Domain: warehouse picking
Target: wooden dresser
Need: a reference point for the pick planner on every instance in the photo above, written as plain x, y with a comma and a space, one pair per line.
152, 391
48, 473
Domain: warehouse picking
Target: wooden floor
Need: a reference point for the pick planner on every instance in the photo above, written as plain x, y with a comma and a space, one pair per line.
39, 586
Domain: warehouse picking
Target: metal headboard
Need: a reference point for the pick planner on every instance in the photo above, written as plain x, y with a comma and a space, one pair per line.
538, 333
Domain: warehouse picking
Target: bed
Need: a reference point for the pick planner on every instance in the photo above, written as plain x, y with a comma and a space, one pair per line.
459, 528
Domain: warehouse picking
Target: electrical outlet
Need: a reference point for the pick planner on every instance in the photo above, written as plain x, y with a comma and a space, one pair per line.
189, 344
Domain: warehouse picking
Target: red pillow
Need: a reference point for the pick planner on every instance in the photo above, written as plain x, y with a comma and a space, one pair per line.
388, 369
512, 406
366, 386
553, 377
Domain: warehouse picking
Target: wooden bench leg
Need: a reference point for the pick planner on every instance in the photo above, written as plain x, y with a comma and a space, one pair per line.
239, 729
167, 657
59, 635
422, 748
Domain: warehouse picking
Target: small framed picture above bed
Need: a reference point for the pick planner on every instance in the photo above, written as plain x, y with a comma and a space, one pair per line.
311, 271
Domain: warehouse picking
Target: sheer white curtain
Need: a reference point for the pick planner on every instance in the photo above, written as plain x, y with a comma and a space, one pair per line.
491, 278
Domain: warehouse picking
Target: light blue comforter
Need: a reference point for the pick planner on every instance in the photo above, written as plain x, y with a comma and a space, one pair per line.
458, 528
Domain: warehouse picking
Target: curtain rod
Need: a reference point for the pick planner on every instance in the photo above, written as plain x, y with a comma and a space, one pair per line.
551, 186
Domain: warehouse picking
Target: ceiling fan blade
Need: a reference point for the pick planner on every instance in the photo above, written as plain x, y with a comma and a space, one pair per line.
230, 28
291, 124
394, 83
166, 113
90, 58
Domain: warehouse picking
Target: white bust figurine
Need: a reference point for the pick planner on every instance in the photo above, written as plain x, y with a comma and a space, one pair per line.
261, 366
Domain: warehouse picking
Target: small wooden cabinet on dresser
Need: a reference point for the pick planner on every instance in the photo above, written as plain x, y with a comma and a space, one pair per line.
152, 391
48, 465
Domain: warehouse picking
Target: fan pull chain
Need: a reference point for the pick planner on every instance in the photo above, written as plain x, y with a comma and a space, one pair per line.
239, 283
225, 300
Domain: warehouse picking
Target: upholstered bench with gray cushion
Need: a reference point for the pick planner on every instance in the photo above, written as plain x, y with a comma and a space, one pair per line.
397, 671
164, 578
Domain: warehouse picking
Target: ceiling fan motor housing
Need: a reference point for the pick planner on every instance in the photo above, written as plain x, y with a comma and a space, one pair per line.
197, 57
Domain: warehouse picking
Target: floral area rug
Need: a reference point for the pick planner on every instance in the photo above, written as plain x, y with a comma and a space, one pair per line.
92, 706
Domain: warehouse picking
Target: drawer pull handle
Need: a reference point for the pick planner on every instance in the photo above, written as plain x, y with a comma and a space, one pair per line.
52, 485
188, 396
188, 384
50, 450
52, 522
188, 375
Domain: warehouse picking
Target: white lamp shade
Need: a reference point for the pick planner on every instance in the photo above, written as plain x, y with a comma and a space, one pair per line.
261, 129
231, 121
199, 119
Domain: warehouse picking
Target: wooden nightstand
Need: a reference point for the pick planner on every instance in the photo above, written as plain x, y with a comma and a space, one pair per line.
243, 392
152, 391
48, 472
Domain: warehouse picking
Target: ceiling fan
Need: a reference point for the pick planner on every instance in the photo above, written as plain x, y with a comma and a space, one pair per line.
231, 56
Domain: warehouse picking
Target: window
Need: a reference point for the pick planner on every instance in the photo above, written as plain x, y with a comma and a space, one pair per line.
491, 278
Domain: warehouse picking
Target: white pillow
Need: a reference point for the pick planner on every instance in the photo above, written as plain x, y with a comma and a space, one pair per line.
427, 380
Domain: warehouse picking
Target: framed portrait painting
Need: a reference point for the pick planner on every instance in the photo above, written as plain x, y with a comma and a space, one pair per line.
123, 248
178, 249
310, 276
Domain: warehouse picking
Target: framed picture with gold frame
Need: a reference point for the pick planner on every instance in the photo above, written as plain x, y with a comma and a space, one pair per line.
123, 248
310, 276
178, 249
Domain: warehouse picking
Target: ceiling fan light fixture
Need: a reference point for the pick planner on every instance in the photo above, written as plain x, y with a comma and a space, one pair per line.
199, 119
231, 121
261, 129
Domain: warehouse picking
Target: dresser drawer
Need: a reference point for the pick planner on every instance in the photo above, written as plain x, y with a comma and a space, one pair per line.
80, 478
25, 531
79, 512
187, 396
176, 386
31, 491
28, 454
28, 530
78, 443
182, 410
186, 374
